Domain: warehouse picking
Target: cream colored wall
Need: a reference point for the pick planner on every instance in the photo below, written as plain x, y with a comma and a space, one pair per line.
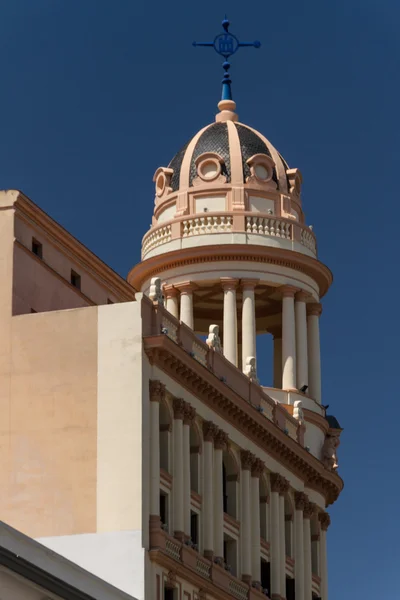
48, 423
50, 285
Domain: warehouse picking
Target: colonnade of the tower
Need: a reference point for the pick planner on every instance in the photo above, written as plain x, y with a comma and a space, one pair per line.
296, 341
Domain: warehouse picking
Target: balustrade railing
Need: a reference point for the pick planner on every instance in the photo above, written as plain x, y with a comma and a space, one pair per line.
207, 224
269, 226
238, 590
157, 237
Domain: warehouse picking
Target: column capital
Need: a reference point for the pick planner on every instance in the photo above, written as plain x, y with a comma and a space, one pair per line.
302, 296
179, 405
300, 500
170, 291
247, 459
229, 283
279, 483
309, 509
314, 308
325, 520
221, 440
209, 431
189, 414
185, 287
288, 291
157, 391
257, 468
248, 284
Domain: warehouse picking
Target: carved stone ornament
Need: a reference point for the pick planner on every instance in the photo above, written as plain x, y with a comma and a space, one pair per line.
309, 509
179, 406
247, 459
162, 179
257, 468
170, 581
325, 520
213, 341
221, 440
155, 293
279, 483
250, 369
329, 456
300, 500
209, 431
157, 391
295, 180
189, 415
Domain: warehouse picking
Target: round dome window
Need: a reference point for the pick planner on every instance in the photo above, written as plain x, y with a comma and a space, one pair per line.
209, 169
261, 172
160, 184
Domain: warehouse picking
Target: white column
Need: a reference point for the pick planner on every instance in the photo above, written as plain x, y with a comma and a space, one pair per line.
157, 393
248, 320
177, 470
220, 442
188, 418
171, 297
301, 339
230, 320
186, 316
256, 473
325, 522
277, 358
300, 500
209, 431
288, 339
247, 459
277, 482
282, 544
307, 514
314, 353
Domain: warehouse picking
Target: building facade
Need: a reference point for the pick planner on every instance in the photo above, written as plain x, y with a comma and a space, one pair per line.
138, 437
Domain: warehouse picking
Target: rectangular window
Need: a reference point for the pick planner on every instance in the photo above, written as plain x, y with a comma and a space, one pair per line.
169, 594
37, 248
290, 587
164, 508
266, 575
75, 279
194, 527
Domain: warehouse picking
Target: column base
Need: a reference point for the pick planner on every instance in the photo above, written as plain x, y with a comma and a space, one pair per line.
246, 579
209, 554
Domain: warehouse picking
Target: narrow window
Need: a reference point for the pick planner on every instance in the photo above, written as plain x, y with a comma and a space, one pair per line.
169, 594
75, 279
37, 248
194, 527
290, 589
266, 575
164, 510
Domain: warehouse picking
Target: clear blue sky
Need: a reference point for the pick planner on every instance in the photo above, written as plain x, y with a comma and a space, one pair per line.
96, 94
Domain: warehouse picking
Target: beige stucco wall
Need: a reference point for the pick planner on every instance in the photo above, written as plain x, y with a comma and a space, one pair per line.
48, 423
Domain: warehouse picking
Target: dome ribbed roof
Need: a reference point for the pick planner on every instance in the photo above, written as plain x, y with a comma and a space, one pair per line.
216, 138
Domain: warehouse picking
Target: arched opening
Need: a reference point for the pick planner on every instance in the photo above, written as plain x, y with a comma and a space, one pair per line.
165, 435
264, 509
230, 477
315, 544
194, 459
288, 526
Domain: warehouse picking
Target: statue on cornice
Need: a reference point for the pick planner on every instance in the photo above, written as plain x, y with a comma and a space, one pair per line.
155, 292
329, 455
213, 341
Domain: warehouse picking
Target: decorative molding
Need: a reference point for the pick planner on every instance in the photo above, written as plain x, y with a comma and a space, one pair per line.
179, 406
279, 483
210, 430
300, 500
203, 384
221, 440
309, 510
257, 468
325, 520
189, 414
314, 308
157, 391
247, 460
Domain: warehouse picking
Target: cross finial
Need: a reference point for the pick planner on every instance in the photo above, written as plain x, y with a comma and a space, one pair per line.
226, 44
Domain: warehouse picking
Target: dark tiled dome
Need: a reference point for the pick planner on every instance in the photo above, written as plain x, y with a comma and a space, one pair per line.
215, 138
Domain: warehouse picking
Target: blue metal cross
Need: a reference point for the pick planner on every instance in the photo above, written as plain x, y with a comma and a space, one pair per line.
227, 44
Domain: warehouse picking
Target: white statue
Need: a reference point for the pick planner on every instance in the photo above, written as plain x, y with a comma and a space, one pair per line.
250, 369
329, 456
155, 293
298, 411
213, 341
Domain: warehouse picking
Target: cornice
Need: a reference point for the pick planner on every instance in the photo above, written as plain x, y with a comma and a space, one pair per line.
59, 237
303, 263
180, 366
